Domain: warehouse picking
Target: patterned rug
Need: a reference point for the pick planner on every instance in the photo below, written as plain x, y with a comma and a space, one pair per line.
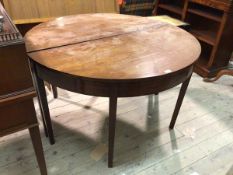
137, 7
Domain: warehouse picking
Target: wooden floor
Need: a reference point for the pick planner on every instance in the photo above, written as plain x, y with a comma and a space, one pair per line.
201, 143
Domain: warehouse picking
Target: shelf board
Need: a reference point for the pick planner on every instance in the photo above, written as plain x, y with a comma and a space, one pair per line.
204, 35
32, 21
205, 14
172, 8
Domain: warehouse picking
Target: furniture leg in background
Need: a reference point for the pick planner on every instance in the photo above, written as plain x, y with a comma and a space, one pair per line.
227, 71
54, 89
219, 75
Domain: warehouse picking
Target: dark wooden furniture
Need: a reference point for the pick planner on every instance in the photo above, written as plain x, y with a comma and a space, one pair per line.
212, 23
220, 74
110, 55
16, 89
227, 71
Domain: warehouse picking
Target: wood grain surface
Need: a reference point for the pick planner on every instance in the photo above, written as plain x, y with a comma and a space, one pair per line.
80, 28
25, 10
111, 46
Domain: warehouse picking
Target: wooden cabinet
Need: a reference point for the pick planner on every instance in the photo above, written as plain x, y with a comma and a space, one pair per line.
16, 89
212, 23
15, 82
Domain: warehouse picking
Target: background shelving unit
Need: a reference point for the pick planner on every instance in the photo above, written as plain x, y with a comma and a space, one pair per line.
172, 8
212, 23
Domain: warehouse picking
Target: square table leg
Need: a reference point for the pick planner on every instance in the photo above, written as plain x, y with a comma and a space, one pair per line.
54, 89
42, 99
179, 101
35, 86
112, 127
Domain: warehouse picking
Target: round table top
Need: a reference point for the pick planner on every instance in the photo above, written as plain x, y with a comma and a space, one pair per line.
111, 46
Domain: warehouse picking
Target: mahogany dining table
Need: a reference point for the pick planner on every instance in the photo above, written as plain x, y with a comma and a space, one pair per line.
110, 55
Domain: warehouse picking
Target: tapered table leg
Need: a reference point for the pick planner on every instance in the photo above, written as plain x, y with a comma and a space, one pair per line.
112, 127
54, 89
179, 102
38, 97
43, 120
40, 88
36, 141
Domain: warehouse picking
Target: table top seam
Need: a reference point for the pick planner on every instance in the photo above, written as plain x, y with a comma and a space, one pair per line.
112, 36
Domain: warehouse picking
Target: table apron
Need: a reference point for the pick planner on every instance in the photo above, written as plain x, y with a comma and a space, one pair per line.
105, 88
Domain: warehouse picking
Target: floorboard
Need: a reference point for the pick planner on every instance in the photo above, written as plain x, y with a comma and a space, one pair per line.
200, 144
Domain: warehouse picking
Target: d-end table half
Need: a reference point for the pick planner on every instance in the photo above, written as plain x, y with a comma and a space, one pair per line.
110, 55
